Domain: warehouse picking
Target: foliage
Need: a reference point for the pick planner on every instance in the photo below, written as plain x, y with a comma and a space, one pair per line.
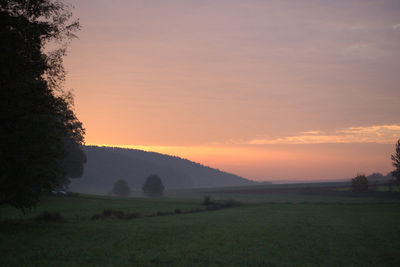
121, 188
359, 183
116, 214
396, 163
207, 200
49, 217
72, 165
36, 116
153, 186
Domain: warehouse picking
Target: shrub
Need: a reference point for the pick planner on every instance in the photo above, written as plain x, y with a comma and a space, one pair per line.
178, 211
207, 201
116, 214
133, 215
163, 213
221, 204
218, 204
359, 183
194, 210
50, 217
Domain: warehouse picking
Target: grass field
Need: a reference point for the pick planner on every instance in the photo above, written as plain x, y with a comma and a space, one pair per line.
338, 192
251, 234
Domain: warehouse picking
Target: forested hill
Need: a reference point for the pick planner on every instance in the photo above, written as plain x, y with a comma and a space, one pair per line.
105, 165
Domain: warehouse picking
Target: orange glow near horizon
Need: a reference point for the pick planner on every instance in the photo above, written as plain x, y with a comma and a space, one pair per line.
267, 90
276, 162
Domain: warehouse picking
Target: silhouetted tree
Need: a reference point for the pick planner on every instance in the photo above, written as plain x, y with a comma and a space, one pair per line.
153, 186
359, 183
396, 163
72, 166
121, 188
36, 116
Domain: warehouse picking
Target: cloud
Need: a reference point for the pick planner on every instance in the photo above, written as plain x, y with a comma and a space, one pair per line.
312, 132
396, 26
382, 134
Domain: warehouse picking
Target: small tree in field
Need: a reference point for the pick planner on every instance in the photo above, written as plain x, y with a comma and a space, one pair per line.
153, 186
396, 163
359, 183
121, 188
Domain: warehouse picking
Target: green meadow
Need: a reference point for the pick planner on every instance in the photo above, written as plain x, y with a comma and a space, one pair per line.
363, 233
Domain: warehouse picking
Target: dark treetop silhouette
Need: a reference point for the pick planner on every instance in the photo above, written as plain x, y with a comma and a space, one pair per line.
153, 186
121, 188
396, 163
38, 125
359, 183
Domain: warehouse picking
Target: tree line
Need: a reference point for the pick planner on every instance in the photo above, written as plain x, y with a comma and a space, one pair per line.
361, 183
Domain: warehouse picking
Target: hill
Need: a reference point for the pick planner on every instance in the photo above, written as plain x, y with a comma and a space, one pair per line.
105, 165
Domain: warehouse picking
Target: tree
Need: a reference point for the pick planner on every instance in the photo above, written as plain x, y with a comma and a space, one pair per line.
72, 165
121, 188
153, 186
359, 183
37, 121
396, 163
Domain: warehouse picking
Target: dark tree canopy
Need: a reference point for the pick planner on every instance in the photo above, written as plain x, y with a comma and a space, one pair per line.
121, 188
38, 124
396, 163
359, 183
153, 186
72, 165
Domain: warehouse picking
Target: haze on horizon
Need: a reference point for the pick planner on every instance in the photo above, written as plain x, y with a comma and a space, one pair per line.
268, 90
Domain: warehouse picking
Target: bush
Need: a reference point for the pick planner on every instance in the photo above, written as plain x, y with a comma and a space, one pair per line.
178, 211
218, 204
50, 217
359, 183
207, 201
121, 188
116, 214
153, 186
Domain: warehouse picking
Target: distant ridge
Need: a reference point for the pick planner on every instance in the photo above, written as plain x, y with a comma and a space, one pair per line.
105, 165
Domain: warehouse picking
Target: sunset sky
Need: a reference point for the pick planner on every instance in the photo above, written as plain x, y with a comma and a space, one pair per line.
269, 90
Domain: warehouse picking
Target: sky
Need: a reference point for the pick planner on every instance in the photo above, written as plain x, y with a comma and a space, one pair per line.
269, 90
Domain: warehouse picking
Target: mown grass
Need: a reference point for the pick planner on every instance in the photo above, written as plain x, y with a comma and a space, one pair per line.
265, 234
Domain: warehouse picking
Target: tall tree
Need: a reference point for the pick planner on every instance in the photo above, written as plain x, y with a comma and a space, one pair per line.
121, 188
153, 186
36, 115
359, 183
396, 162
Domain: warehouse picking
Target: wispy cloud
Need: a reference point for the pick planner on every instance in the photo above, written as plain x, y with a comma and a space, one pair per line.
382, 134
396, 26
313, 132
